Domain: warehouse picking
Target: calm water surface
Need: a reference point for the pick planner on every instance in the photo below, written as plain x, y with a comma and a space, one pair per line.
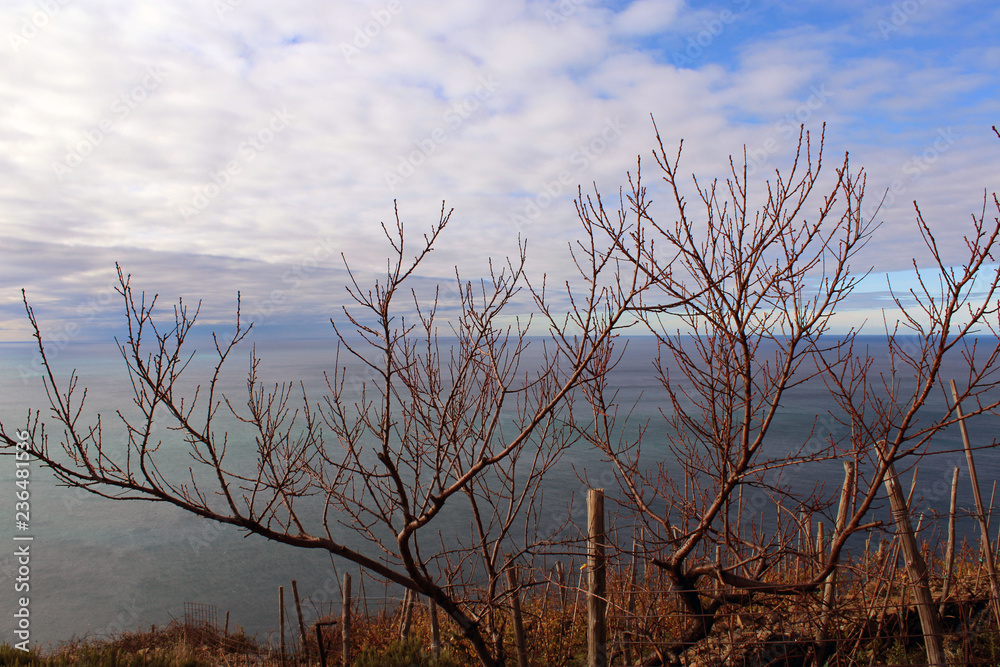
99, 566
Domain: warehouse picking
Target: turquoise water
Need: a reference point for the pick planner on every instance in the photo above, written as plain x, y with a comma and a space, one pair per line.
99, 566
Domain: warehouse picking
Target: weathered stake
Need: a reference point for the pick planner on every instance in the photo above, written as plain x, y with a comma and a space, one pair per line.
522, 647
281, 619
345, 624
986, 543
407, 619
298, 610
630, 601
435, 630
829, 586
597, 591
949, 559
916, 569
320, 643
561, 583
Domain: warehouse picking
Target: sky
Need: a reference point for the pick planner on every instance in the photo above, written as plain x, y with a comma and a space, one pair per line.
241, 146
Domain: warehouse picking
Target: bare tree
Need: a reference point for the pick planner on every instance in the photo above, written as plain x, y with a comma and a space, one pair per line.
758, 289
456, 425
464, 426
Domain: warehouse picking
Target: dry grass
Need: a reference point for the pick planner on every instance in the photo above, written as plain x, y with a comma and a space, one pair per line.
170, 646
873, 623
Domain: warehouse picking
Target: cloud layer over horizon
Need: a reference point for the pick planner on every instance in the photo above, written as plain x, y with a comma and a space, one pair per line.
239, 145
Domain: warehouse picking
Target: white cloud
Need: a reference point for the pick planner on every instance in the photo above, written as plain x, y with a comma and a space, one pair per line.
479, 105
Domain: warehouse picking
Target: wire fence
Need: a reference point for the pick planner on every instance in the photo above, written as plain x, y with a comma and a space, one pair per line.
866, 612
872, 620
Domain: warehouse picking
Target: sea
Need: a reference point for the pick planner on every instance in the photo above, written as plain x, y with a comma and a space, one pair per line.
101, 566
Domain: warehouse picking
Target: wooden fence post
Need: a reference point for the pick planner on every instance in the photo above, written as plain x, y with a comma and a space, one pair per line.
319, 644
949, 557
519, 641
915, 567
561, 583
986, 542
820, 540
597, 603
345, 623
631, 624
407, 619
806, 534
829, 585
281, 620
298, 610
435, 630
